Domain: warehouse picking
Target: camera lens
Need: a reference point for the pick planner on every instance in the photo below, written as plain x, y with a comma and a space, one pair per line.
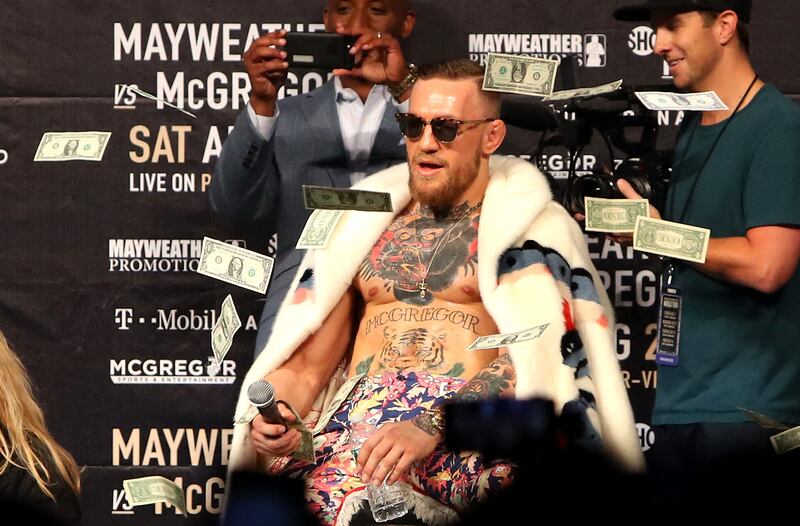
636, 173
590, 185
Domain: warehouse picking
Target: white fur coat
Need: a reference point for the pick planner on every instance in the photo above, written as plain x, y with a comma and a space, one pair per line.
517, 208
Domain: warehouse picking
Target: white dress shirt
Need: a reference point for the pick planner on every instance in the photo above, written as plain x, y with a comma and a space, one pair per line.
358, 123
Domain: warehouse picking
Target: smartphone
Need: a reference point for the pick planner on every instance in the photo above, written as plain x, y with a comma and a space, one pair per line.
319, 50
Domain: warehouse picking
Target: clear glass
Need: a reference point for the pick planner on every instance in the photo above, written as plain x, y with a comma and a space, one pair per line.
386, 502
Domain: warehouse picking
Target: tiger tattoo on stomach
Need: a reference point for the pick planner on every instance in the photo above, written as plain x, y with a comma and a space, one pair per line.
388, 343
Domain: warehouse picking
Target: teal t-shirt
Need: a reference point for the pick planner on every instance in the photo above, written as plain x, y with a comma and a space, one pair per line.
738, 347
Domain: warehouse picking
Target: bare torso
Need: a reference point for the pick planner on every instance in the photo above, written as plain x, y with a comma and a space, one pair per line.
422, 307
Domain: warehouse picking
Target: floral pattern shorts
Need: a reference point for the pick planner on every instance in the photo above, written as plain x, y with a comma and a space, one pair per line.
454, 479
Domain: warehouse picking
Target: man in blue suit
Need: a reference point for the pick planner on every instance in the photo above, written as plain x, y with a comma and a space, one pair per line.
333, 136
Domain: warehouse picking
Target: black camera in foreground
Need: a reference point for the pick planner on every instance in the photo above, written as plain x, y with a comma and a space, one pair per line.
649, 176
621, 121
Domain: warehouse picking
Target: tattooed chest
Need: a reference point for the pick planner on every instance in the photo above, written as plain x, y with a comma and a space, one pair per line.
419, 255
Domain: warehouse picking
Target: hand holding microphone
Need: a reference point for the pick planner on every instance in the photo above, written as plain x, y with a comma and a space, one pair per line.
271, 434
262, 396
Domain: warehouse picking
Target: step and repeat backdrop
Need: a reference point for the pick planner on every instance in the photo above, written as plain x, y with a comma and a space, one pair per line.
99, 293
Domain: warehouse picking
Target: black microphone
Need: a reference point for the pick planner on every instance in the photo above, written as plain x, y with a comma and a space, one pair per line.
527, 115
262, 396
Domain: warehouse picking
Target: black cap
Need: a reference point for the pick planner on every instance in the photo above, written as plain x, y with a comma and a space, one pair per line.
642, 11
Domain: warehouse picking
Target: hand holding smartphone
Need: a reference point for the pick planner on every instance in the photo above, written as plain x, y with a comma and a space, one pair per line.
319, 50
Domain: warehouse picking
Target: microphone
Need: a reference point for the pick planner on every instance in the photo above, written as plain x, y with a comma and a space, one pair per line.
527, 115
262, 396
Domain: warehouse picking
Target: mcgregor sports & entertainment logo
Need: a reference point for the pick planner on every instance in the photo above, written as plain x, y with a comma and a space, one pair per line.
171, 371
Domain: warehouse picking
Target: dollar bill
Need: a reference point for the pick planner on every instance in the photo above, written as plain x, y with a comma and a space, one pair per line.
247, 416
235, 265
327, 198
72, 146
149, 490
614, 215
136, 89
786, 441
520, 74
305, 451
226, 326
497, 340
336, 402
763, 420
319, 228
663, 100
675, 240
584, 92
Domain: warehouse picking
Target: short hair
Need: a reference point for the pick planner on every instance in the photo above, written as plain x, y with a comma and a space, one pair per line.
462, 69
742, 30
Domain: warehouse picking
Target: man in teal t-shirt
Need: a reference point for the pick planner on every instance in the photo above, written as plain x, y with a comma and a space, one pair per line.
736, 172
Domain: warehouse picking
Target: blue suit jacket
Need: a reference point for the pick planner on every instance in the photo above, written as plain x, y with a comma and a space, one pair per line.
256, 179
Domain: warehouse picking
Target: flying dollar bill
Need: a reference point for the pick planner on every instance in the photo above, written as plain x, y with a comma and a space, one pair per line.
519, 74
786, 441
222, 333
149, 490
497, 340
614, 215
584, 92
763, 420
675, 240
319, 228
136, 89
667, 101
327, 198
72, 146
235, 265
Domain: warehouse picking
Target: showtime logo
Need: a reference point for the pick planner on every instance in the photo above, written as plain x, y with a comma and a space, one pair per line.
642, 41
590, 49
647, 437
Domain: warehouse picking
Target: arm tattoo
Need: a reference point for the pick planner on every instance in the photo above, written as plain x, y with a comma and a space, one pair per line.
497, 378
431, 421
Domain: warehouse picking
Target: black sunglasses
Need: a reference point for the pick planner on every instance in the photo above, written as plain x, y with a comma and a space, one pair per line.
445, 130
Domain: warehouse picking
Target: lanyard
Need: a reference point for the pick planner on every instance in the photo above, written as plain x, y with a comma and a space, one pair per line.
682, 216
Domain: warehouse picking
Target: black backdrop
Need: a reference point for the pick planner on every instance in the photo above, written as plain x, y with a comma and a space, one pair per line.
97, 289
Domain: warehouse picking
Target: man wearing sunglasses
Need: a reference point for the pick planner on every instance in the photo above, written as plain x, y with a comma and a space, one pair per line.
333, 136
476, 247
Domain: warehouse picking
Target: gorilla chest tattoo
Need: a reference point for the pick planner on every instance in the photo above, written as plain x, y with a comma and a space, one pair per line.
419, 253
